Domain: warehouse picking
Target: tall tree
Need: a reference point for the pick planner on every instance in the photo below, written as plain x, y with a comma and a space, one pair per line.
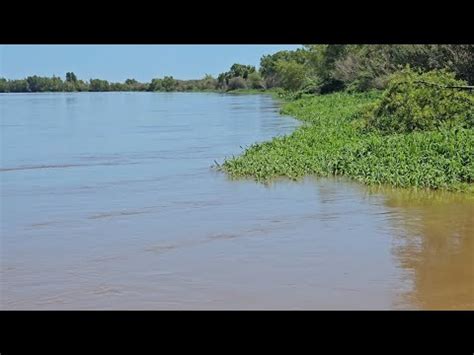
71, 77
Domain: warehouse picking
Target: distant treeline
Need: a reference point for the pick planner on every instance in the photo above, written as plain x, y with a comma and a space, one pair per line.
310, 69
70, 84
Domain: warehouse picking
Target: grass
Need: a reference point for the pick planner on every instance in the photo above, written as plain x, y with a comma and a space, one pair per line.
276, 94
248, 91
332, 142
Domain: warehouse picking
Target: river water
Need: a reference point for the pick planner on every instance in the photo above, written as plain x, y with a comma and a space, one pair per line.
109, 201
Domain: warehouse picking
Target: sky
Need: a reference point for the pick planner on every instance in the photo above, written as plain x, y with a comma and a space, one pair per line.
120, 62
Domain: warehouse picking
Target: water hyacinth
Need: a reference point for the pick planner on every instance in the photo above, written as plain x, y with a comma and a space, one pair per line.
332, 142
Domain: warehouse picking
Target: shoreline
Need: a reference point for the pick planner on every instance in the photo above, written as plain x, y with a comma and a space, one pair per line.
330, 144
259, 161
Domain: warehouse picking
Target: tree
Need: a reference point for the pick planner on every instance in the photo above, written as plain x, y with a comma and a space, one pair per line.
241, 70
255, 81
131, 82
71, 77
18, 85
236, 71
321, 64
363, 67
268, 65
207, 83
118, 87
222, 81
237, 83
134, 85
459, 58
156, 85
3, 85
169, 83
56, 84
417, 101
268, 62
35, 83
99, 85
292, 74
69, 86
81, 85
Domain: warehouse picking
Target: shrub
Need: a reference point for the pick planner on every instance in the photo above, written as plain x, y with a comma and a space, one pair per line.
237, 83
272, 81
292, 74
169, 83
417, 101
255, 81
207, 83
329, 145
99, 85
312, 85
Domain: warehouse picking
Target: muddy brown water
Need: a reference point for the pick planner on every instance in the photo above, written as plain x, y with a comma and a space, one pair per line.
108, 201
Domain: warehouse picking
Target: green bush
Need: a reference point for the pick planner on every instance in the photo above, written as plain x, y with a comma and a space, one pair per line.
329, 145
291, 74
237, 83
415, 101
255, 81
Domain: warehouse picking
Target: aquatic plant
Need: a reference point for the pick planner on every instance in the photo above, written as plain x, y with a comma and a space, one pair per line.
331, 142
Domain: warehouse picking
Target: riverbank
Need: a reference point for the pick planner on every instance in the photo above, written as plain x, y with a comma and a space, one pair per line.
332, 142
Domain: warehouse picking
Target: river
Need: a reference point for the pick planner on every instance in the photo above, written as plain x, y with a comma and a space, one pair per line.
109, 201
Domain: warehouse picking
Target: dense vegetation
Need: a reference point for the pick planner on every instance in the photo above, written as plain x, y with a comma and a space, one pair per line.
328, 68
422, 101
315, 69
382, 114
333, 142
71, 84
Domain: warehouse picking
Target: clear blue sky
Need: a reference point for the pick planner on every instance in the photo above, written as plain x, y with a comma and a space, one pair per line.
119, 62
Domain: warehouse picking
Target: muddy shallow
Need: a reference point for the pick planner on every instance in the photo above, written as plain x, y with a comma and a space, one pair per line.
108, 201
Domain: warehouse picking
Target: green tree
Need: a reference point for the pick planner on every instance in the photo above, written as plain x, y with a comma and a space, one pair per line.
169, 83
291, 74
35, 83
222, 80
364, 67
55, 84
71, 77
418, 101
118, 87
237, 83
3, 85
255, 81
99, 85
69, 86
81, 85
241, 70
156, 85
236, 71
268, 63
207, 83
321, 64
18, 85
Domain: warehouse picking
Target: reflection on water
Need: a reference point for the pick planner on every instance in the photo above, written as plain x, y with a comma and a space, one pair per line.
108, 202
435, 247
